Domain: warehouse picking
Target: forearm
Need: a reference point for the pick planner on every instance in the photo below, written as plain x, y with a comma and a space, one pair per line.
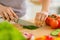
45, 5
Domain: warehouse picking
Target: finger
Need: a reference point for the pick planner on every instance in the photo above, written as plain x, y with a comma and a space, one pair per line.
37, 20
10, 15
13, 13
38, 24
6, 15
1, 14
46, 17
38, 16
42, 17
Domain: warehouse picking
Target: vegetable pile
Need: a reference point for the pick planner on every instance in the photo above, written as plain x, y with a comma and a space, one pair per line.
9, 32
53, 21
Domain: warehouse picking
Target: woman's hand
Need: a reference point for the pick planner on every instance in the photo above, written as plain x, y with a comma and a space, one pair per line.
40, 18
7, 13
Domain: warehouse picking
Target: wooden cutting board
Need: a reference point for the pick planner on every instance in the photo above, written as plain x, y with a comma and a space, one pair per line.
45, 30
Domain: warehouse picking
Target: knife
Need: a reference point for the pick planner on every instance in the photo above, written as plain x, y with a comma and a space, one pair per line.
26, 24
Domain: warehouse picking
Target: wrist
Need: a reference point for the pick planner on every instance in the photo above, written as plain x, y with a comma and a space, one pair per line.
44, 12
45, 9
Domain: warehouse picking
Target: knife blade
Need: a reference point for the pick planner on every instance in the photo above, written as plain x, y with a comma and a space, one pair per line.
25, 22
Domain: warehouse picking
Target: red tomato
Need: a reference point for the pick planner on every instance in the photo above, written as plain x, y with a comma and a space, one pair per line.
54, 23
58, 18
48, 20
59, 23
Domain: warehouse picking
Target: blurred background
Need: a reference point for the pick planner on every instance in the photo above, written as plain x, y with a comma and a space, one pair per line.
32, 8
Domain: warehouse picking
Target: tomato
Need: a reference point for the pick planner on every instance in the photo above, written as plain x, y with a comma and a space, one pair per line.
54, 23
59, 23
48, 20
58, 18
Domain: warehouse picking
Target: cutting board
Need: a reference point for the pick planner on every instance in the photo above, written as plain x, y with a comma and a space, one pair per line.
45, 30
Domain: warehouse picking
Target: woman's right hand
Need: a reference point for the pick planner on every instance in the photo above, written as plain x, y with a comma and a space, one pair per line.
7, 13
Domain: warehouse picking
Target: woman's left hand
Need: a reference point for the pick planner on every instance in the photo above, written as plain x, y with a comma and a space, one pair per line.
40, 18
